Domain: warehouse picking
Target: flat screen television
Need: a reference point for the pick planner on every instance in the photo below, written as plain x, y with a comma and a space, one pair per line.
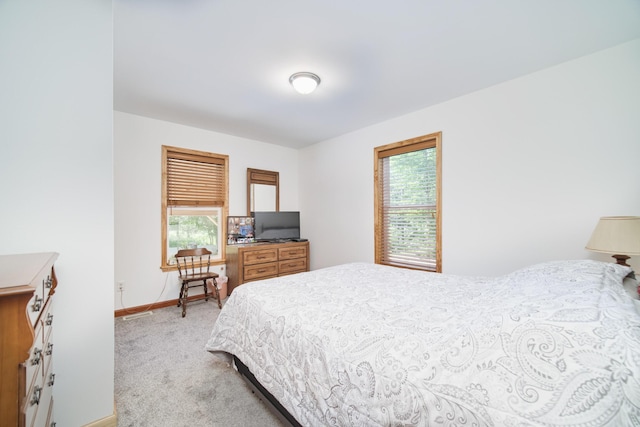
276, 226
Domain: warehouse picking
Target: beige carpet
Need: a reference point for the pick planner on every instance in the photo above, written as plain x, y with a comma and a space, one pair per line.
164, 376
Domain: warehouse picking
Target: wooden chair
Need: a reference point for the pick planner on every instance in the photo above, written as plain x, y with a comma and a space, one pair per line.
193, 267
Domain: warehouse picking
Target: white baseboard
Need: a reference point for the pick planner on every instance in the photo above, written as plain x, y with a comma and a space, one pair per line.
110, 421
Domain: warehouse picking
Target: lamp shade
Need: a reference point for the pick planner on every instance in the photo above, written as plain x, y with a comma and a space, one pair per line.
616, 235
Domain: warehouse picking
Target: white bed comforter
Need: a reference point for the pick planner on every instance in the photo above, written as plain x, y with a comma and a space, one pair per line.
555, 344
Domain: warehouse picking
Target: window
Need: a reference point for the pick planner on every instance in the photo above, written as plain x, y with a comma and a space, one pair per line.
194, 202
193, 228
407, 203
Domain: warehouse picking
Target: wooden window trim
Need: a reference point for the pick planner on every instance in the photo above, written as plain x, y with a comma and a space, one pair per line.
433, 140
221, 201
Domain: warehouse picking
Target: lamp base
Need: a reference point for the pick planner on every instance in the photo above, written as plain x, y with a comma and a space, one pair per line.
621, 259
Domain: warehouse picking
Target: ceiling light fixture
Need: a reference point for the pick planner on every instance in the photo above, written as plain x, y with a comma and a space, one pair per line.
304, 82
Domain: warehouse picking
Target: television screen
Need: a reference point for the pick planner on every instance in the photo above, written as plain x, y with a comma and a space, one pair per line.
274, 226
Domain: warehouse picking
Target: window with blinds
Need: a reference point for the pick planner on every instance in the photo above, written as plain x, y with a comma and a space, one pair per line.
194, 201
407, 203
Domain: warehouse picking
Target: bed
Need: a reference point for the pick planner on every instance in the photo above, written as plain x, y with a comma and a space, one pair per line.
553, 344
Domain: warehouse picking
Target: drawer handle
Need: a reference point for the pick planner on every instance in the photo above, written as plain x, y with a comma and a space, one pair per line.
52, 379
48, 282
37, 304
37, 356
49, 320
49, 349
262, 270
35, 399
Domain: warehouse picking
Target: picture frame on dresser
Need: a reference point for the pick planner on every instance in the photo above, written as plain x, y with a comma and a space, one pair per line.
240, 230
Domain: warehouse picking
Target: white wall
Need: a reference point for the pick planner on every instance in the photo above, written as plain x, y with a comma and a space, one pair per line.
56, 172
138, 142
528, 168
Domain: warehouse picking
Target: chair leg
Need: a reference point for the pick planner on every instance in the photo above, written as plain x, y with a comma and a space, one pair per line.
217, 293
206, 292
184, 302
181, 294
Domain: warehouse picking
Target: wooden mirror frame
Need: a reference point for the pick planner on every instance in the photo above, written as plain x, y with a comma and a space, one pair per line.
264, 177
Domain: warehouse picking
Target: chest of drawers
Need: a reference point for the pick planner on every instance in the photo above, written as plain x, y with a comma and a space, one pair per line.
27, 285
258, 261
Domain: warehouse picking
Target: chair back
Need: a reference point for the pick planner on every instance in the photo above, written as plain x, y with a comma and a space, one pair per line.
193, 262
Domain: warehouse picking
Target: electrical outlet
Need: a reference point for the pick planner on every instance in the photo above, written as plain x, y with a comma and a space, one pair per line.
121, 286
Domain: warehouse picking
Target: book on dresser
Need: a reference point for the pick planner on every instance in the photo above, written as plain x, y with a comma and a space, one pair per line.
27, 285
257, 261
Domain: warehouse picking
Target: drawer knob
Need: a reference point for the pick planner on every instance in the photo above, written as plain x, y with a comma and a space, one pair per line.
52, 379
35, 399
48, 282
37, 304
49, 349
49, 320
37, 356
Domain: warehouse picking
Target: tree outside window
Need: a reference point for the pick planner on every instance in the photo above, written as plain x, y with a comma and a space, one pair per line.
193, 228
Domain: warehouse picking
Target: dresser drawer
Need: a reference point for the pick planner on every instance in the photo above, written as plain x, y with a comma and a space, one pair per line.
44, 414
44, 406
260, 256
35, 399
260, 271
47, 347
50, 419
292, 266
43, 286
36, 304
33, 366
39, 372
293, 252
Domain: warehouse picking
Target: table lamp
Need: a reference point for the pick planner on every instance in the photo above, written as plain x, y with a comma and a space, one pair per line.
617, 235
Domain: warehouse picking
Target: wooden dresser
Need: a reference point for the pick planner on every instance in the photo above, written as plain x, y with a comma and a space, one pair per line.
258, 261
27, 285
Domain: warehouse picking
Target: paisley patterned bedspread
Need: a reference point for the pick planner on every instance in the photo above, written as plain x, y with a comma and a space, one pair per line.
554, 344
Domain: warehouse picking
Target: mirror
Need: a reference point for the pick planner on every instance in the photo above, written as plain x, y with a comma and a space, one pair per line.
263, 190
263, 197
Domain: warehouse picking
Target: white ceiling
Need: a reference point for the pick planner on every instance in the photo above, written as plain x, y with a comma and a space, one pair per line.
224, 65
